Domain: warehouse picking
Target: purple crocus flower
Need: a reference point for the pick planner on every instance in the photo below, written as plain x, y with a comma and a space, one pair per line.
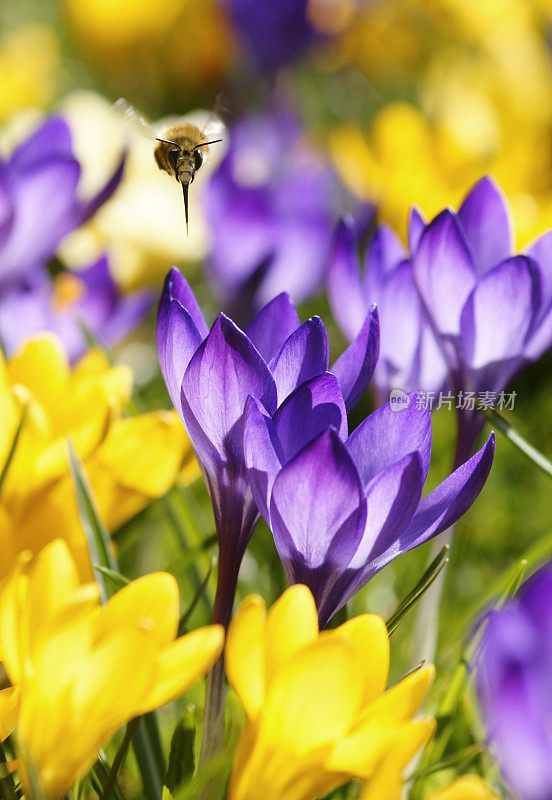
514, 678
88, 299
341, 507
410, 358
271, 207
210, 374
275, 31
490, 311
39, 203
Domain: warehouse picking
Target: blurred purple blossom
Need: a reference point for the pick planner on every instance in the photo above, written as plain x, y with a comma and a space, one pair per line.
271, 204
341, 507
39, 203
490, 311
210, 374
74, 302
410, 358
514, 679
39, 206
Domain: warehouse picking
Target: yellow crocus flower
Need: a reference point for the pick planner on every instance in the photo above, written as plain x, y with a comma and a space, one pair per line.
317, 711
79, 671
468, 787
129, 460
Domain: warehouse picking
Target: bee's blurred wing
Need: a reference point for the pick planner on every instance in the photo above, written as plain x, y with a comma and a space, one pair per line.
132, 120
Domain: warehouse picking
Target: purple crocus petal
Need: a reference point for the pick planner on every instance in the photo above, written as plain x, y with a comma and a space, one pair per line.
416, 225
485, 219
345, 288
177, 340
176, 287
6, 203
262, 452
392, 498
272, 326
313, 407
445, 504
223, 372
89, 208
304, 354
317, 524
355, 367
514, 689
444, 272
387, 435
39, 224
499, 314
541, 339
536, 603
50, 140
385, 251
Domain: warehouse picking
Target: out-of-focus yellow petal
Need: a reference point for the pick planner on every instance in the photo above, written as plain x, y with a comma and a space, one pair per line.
144, 453
467, 787
386, 782
291, 623
152, 600
42, 366
368, 636
245, 654
182, 663
7, 544
9, 710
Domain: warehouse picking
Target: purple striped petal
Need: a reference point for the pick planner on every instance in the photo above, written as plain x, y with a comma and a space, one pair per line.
318, 524
485, 219
225, 369
444, 272
355, 367
176, 287
312, 408
304, 355
274, 323
386, 436
345, 287
177, 340
262, 453
416, 225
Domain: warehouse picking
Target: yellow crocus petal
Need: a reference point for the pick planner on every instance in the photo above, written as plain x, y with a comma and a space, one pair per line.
386, 782
42, 366
291, 623
145, 452
12, 598
403, 700
7, 543
152, 600
245, 654
182, 663
54, 580
468, 787
9, 711
368, 635
294, 711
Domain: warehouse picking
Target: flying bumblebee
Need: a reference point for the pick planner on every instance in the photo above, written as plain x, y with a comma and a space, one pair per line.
181, 147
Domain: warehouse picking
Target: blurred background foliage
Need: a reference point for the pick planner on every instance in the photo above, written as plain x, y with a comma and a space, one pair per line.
408, 101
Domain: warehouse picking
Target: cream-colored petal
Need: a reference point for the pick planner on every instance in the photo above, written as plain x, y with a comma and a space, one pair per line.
291, 624
245, 654
151, 601
182, 663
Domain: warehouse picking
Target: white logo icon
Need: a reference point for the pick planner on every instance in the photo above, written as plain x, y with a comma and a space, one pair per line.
398, 400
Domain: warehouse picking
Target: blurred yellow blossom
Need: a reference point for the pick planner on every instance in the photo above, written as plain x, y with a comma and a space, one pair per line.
142, 225
67, 657
29, 68
317, 711
130, 460
468, 787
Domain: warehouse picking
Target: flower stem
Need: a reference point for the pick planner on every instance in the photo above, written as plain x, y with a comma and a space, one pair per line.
510, 433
